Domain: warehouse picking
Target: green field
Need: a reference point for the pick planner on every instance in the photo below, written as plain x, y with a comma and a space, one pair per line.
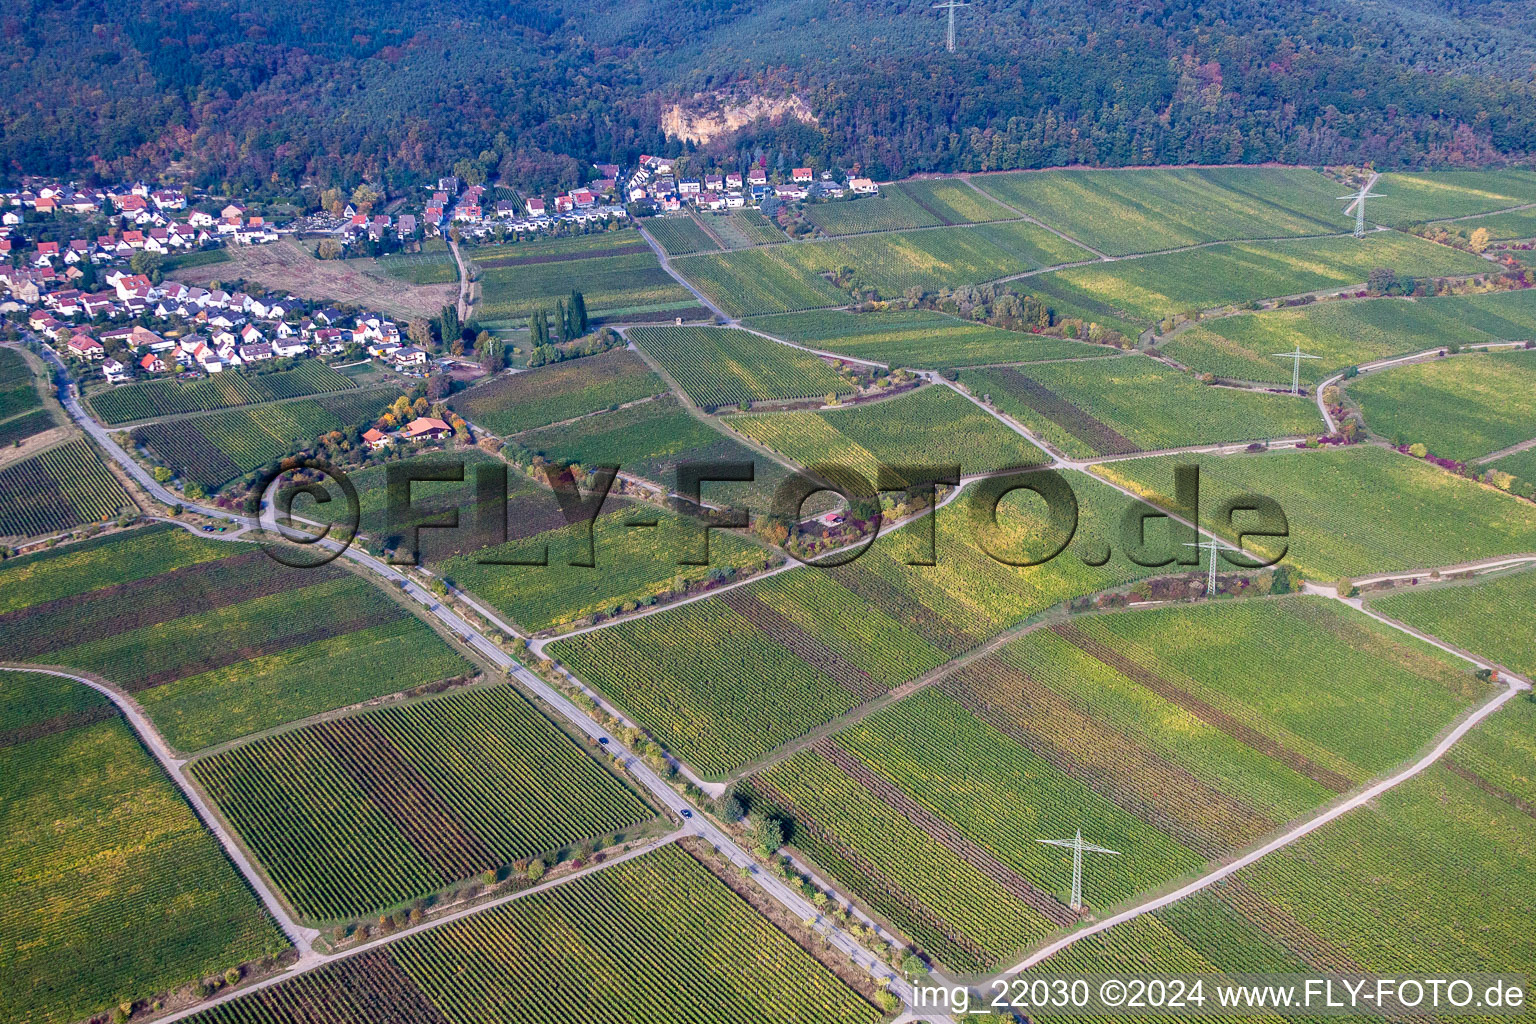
1120, 212
1474, 617
20, 400
1342, 334
635, 565
744, 227
210, 636
1409, 198
613, 270
1521, 464
1135, 403
1384, 890
655, 938
919, 338
1159, 286
1352, 511
421, 267
932, 426
651, 440
218, 391
1460, 408
951, 200
726, 366
724, 681
511, 403
358, 815
889, 210
680, 235
63, 487
780, 279
213, 450
1518, 224
1172, 746
110, 887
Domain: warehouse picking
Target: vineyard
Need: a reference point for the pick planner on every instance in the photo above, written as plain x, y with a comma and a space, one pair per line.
216, 391
18, 389
1519, 224
722, 682
656, 938
918, 338
951, 200
1120, 211
1354, 510
612, 270
746, 226
1342, 334
357, 815
725, 366
64, 487
680, 235
1460, 408
1383, 889
1114, 406
511, 403
1475, 618
19, 428
651, 440
635, 564
889, 210
213, 450
1410, 198
932, 426
89, 826
209, 636
781, 279
1159, 286
1176, 747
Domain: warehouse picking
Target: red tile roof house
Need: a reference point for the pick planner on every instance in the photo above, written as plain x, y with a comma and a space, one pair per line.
803, 174
427, 427
86, 347
375, 439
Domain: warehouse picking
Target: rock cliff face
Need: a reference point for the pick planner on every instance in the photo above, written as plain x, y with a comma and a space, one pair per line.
708, 117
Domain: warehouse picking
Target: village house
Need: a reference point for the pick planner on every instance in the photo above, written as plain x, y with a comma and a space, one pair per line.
375, 439
427, 428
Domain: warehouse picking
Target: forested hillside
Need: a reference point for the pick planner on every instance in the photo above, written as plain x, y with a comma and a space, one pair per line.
228, 90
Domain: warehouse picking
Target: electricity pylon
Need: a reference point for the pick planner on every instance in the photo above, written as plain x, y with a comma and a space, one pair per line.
1078, 848
951, 5
1213, 546
1298, 356
1359, 206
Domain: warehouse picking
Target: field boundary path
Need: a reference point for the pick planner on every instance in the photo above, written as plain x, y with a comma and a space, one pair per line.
666, 264
301, 937
1411, 357
558, 703
465, 285
1024, 216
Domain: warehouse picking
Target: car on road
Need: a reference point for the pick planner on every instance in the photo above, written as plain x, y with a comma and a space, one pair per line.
687, 813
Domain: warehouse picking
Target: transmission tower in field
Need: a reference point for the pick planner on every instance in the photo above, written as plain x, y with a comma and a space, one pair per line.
1214, 547
950, 5
1358, 205
1078, 848
1297, 356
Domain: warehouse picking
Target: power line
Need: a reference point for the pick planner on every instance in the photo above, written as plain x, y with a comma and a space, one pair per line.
950, 5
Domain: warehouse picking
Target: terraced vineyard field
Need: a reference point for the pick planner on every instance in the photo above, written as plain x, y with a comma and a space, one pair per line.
1460, 408
726, 366
28, 424
680, 235
511, 403
781, 279
720, 682
218, 391
1159, 286
209, 636
652, 939
112, 889
1474, 617
358, 815
889, 210
1177, 749
1409, 198
651, 440
932, 426
1134, 403
21, 407
951, 200
1342, 334
213, 450
1383, 890
1129, 211
919, 338
612, 270
63, 487
635, 565
745, 226
1517, 224
1352, 511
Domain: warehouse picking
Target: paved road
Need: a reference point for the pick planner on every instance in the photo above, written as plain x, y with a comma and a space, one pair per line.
666, 264
301, 937
660, 790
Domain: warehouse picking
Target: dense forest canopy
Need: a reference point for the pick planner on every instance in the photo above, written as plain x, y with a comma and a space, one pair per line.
233, 92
